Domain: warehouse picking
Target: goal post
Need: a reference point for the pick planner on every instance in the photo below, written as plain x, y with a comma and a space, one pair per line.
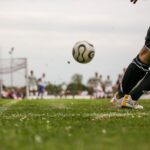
13, 74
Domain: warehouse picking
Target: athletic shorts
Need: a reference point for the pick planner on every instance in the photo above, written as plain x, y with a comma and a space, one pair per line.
41, 88
147, 39
32, 88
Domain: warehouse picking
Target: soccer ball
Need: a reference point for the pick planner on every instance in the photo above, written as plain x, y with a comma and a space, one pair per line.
83, 52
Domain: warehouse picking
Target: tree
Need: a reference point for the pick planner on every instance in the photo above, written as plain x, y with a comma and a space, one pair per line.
76, 85
77, 79
53, 89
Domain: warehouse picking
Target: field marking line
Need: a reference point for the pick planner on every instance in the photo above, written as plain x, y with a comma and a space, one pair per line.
118, 115
91, 115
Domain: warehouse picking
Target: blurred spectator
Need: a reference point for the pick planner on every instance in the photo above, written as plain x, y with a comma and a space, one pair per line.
32, 83
98, 86
4, 93
118, 82
41, 86
119, 79
11, 94
99, 92
108, 87
63, 89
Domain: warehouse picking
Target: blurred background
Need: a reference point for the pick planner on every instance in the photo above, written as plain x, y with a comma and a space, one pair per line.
43, 33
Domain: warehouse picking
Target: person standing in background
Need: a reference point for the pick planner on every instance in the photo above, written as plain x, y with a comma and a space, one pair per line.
32, 83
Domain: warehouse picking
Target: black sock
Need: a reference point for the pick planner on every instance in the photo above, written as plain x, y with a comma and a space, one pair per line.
142, 87
134, 73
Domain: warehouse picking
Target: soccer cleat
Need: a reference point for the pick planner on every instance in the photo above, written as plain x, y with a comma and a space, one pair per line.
127, 102
116, 100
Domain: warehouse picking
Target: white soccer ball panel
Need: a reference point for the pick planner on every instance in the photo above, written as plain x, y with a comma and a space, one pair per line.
83, 52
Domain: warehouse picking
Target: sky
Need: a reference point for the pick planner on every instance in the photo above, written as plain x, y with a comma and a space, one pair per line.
44, 31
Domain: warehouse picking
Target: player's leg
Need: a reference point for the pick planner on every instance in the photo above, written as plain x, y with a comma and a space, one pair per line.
142, 87
144, 57
134, 73
145, 83
137, 69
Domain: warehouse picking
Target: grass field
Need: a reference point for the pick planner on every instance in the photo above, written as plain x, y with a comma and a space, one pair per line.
72, 125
